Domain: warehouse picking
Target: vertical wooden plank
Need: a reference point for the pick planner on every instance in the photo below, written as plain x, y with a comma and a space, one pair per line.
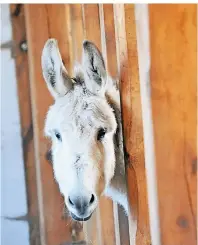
107, 221
91, 230
135, 141
59, 27
21, 64
77, 30
106, 205
173, 88
110, 41
132, 123
122, 61
143, 44
92, 23
123, 226
54, 229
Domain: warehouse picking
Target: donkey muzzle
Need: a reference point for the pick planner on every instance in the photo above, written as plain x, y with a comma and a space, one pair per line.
81, 207
80, 219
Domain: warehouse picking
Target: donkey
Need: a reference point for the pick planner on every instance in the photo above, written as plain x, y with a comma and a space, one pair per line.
84, 124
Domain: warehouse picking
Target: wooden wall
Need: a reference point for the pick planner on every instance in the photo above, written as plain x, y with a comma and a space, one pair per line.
173, 86
173, 95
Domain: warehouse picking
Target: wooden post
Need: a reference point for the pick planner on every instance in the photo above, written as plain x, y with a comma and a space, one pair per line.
24, 97
143, 44
132, 123
77, 30
173, 49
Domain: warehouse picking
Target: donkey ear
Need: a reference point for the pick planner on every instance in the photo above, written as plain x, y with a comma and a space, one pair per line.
54, 72
94, 67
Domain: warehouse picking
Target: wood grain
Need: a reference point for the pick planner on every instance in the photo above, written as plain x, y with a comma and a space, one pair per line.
78, 34
92, 23
112, 65
55, 229
22, 74
132, 123
110, 40
59, 27
173, 88
106, 205
135, 130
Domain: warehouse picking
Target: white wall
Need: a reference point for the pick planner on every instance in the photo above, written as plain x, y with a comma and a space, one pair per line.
13, 192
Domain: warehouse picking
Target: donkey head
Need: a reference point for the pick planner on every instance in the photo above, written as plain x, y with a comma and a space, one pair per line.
81, 125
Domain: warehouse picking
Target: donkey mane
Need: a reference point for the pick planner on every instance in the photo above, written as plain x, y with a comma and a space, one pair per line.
117, 189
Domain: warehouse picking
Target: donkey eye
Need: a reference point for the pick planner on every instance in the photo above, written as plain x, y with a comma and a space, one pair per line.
101, 133
58, 136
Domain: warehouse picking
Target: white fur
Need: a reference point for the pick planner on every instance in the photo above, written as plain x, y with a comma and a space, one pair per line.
82, 164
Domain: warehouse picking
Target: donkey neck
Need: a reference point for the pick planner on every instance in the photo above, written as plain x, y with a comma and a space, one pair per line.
117, 189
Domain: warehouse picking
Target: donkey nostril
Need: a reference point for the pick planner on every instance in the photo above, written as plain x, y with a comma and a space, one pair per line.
92, 199
70, 201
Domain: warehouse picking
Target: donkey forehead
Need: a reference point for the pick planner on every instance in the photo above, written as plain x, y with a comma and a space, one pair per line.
80, 110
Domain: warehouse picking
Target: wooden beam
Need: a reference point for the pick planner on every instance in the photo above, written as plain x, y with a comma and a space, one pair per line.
24, 97
77, 30
173, 32
132, 123
106, 205
110, 40
92, 23
143, 44
59, 27
112, 65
